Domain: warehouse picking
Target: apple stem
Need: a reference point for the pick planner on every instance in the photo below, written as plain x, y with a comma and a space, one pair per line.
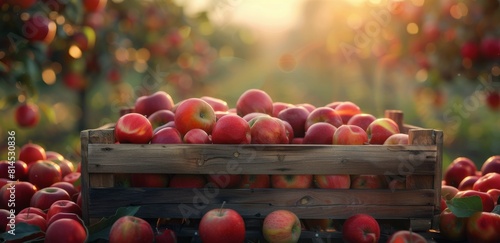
220, 210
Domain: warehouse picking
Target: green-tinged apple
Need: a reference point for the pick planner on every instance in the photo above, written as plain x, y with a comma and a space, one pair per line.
255, 181
268, 130
196, 136
66, 230
319, 133
451, 227
468, 182
161, 117
44, 173
350, 135
361, 228
45, 197
133, 128
187, 181
492, 164
131, 229
486, 200
323, 114
216, 103
167, 135
224, 180
332, 181
222, 225
362, 120
22, 191
368, 182
19, 168
194, 113
279, 106
482, 227
296, 117
406, 236
63, 206
254, 100
68, 187
487, 182
231, 129
291, 181
281, 226
166, 236
149, 180
379, 130
397, 139
458, 169
27, 115
32, 152
346, 110
147, 105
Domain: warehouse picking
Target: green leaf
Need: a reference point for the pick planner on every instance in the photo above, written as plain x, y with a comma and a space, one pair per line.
466, 206
22, 230
100, 230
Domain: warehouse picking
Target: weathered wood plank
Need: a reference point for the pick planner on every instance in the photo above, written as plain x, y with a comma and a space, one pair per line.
84, 177
255, 159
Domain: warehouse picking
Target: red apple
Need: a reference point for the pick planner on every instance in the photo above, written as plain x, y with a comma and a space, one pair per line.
459, 168
487, 182
486, 200
5, 217
493, 100
470, 50
133, 128
490, 48
68, 187
368, 182
350, 135
17, 195
196, 136
361, 228
44, 173
334, 104
332, 181
483, 227
397, 139
94, 5
281, 226
32, 152
65, 165
346, 110
231, 129
406, 236
187, 181
39, 28
397, 184
309, 107
222, 225
296, 117
63, 215
255, 181
268, 130
161, 117
492, 164
66, 230
362, 120
74, 179
167, 135
19, 168
194, 113
147, 105
27, 115
35, 211
63, 206
297, 140
250, 116
254, 100
279, 106
289, 131
323, 114
32, 219
149, 180
131, 229
52, 155
216, 103
166, 236
447, 193
379, 130
225, 180
75, 81
494, 194
291, 181
319, 133
451, 227
45, 197
467, 183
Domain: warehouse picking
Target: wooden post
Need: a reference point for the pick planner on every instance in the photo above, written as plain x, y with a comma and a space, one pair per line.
396, 116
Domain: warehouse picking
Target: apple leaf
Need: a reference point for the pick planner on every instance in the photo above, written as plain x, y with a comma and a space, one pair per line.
496, 209
22, 230
466, 206
100, 230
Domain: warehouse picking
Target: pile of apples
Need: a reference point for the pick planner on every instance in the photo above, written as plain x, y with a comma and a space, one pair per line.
462, 179
41, 188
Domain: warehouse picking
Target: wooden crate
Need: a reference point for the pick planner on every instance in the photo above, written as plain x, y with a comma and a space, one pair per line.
416, 206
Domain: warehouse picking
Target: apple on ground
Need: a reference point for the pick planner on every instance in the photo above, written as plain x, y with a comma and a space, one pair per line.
350, 135
323, 114
231, 129
216, 103
279, 106
45, 197
483, 227
66, 230
131, 229
332, 181
167, 135
254, 100
452, 227
149, 180
467, 182
20, 170
23, 192
361, 228
319, 133
32, 152
404, 236
166, 236
44, 173
346, 110
458, 169
487, 182
296, 117
397, 139
281, 226
27, 115
492, 164
291, 181
187, 181
220, 225
194, 113
147, 105
196, 136
255, 181
368, 182
225, 180
268, 130
362, 120
63, 206
161, 117
379, 130
486, 200
133, 128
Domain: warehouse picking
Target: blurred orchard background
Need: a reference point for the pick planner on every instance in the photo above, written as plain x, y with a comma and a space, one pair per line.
438, 61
